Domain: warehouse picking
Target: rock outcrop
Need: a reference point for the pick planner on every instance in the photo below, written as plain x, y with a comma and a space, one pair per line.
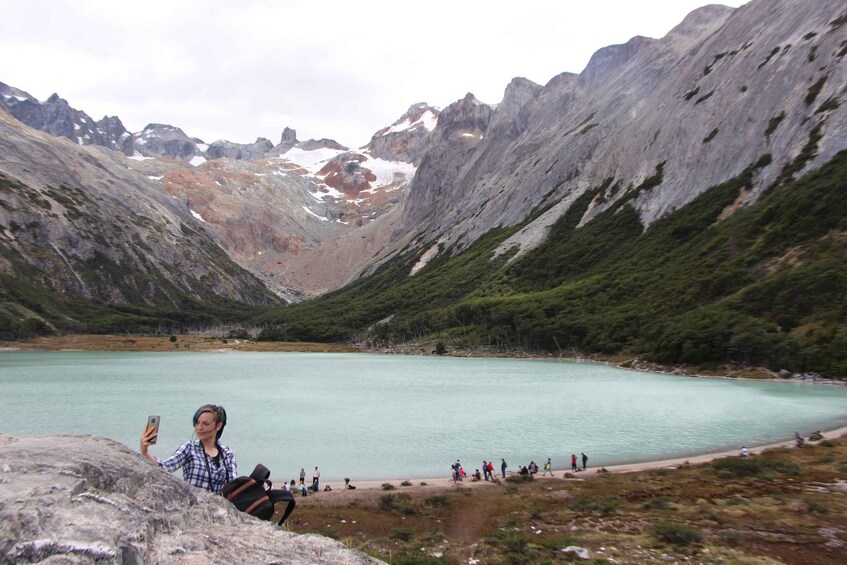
163, 140
439, 184
80, 222
239, 151
56, 117
83, 499
407, 139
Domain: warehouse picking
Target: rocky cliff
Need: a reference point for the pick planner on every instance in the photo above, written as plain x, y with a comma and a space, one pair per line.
690, 110
83, 499
654, 122
81, 223
56, 117
407, 139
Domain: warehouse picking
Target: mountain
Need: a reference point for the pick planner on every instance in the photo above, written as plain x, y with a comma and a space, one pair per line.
86, 243
56, 117
681, 199
696, 107
650, 197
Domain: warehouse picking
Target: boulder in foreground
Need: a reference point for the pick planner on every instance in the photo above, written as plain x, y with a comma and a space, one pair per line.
83, 499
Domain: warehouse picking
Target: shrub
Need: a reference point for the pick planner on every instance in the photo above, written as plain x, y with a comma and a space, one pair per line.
814, 90
405, 484
387, 486
658, 503
436, 501
731, 539
402, 534
173, 339
400, 503
774, 123
675, 533
520, 478
602, 505
412, 559
753, 467
440, 348
815, 507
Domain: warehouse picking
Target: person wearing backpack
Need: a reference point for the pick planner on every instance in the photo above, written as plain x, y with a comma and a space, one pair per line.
205, 463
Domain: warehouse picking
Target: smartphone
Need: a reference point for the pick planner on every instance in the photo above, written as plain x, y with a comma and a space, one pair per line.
153, 422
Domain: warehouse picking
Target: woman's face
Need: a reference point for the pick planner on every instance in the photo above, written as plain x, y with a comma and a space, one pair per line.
206, 427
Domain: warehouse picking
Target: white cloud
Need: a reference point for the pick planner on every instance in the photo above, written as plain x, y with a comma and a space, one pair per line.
240, 70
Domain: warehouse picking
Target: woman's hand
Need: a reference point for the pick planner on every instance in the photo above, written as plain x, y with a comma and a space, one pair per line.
147, 439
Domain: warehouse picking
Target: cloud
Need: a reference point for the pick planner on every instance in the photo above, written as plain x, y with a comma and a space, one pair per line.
239, 70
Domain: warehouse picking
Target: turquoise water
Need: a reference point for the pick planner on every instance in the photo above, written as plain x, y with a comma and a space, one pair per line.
394, 417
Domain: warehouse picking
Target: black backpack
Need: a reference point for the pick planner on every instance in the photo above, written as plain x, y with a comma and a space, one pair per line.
255, 496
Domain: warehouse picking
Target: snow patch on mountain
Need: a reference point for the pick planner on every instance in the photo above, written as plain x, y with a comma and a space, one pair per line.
321, 218
314, 160
387, 172
427, 120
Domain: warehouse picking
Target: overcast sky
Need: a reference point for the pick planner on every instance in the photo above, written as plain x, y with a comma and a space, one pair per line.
240, 69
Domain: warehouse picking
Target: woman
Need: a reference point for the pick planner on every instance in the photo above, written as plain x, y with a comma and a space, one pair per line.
205, 462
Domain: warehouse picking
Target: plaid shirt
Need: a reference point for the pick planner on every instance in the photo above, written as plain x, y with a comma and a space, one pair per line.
195, 464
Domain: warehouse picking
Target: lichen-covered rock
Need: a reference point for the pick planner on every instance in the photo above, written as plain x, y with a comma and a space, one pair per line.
83, 499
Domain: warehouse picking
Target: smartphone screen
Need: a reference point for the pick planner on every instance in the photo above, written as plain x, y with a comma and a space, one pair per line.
153, 422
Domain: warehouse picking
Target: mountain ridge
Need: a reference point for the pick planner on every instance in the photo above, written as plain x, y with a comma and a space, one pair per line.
747, 99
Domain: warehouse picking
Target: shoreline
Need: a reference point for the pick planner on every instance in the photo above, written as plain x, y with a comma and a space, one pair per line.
209, 344
591, 472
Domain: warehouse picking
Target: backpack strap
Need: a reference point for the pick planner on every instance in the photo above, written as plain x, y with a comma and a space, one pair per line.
280, 496
239, 490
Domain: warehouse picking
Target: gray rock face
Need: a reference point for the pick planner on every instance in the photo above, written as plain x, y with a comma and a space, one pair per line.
56, 117
719, 91
287, 140
313, 144
438, 186
162, 140
239, 151
83, 499
407, 139
80, 222
288, 136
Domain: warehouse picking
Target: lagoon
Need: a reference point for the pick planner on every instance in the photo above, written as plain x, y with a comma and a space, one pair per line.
369, 416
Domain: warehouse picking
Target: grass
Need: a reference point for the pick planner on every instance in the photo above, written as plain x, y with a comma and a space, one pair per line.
677, 534
689, 514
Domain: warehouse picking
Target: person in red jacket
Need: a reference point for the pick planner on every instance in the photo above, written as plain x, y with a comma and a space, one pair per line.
573, 462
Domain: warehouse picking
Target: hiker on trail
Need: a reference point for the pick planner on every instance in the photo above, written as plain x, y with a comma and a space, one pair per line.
503, 467
205, 463
485, 469
316, 478
584, 461
548, 468
573, 462
744, 451
302, 475
533, 468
